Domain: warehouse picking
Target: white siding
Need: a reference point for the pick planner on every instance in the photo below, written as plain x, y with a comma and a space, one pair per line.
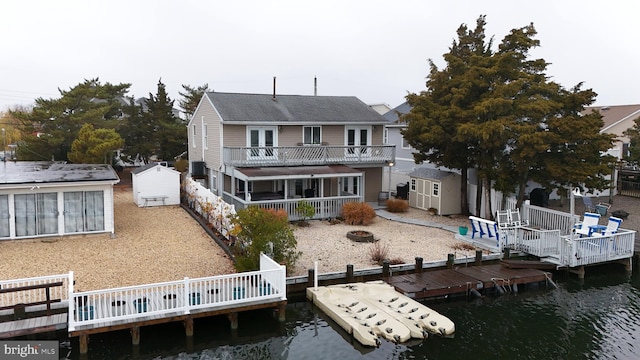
156, 182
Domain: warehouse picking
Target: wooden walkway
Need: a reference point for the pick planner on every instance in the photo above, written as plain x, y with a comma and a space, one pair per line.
34, 325
441, 283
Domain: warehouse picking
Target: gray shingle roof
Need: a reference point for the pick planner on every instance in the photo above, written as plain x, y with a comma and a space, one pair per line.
430, 173
394, 114
28, 172
234, 107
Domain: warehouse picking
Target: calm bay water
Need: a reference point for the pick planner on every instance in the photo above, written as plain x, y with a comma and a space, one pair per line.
596, 319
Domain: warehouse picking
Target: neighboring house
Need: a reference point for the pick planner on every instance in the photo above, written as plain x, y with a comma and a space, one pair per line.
155, 184
273, 150
616, 120
39, 199
381, 108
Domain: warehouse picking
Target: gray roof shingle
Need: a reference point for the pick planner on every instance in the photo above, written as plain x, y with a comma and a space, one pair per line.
234, 107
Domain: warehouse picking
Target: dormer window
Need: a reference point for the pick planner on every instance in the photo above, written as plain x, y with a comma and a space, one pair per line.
311, 135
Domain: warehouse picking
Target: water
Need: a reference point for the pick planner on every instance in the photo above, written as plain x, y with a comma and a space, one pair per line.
597, 319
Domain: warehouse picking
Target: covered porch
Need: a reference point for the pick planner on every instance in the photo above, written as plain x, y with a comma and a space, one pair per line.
326, 188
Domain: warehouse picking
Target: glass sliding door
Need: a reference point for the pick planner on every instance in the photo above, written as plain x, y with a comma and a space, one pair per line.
47, 213
83, 211
25, 209
4, 216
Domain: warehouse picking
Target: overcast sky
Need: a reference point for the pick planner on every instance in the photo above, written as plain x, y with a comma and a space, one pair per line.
375, 50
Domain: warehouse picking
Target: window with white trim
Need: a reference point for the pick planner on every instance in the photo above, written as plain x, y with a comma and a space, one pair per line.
83, 211
205, 134
413, 184
436, 189
193, 135
311, 135
36, 214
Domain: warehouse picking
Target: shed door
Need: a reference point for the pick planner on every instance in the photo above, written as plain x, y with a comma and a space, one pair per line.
423, 191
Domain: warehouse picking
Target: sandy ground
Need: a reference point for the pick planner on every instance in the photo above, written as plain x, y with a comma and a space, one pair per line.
158, 244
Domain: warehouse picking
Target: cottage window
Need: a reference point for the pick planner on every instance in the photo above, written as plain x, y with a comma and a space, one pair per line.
205, 135
83, 211
36, 214
311, 135
436, 189
413, 184
4, 215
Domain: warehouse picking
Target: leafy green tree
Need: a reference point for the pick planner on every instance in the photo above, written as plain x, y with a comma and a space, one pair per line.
191, 98
94, 146
49, 129
263, 231
634, 143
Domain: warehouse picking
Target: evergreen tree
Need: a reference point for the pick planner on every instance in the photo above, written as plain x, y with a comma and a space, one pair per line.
497, 112
94, 146
170, 132
634, 143
191, 98
49, 129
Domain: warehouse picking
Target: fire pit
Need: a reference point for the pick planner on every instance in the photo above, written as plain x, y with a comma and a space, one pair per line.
360, 236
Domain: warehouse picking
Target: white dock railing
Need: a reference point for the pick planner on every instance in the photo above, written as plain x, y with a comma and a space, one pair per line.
35, 295
541, 243
128, 304
545, 218
579, 251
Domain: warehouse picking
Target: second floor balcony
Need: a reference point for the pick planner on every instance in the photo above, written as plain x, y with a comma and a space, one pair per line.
309, 155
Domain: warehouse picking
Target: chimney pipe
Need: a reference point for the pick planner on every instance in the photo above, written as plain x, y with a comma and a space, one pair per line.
274, 88
315, 86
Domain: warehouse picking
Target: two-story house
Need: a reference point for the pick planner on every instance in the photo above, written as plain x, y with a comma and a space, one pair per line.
274, 150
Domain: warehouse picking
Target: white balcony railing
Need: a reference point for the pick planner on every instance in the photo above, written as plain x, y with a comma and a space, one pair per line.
308, 155
592, 250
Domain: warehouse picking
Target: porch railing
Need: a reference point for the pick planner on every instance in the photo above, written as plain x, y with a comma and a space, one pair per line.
185, 296
325, 207
541, 243
308, 155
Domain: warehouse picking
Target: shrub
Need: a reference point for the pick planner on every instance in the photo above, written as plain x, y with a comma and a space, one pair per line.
378, 253
263, 231
397, 205
305, 210
358, 213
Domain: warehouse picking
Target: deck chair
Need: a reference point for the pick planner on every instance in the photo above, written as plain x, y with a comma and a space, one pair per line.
504, 218
585, 227
516, 220
588, 205
612, 227
602, 208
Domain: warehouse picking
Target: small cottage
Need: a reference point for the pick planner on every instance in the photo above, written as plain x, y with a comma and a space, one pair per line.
437, 189
155, 185
43, 198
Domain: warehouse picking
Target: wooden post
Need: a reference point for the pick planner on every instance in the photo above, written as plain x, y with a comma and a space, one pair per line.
233, 319
450, 260
310, 277
418, 264
281, 309
350, 273
135, 335
478, 257
507, 253
188, 326
385, 269
84, 344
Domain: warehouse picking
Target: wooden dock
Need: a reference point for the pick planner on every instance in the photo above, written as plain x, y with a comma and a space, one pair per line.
440, 283
36, 325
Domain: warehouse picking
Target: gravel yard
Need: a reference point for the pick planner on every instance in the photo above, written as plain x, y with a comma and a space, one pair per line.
158, 244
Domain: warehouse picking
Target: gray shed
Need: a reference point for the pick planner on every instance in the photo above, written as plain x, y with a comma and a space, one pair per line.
155, 185
434, 188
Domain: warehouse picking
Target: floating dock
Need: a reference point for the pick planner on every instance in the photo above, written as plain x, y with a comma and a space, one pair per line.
374, 309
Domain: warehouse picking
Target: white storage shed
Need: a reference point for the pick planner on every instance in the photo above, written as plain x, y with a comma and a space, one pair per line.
155, 185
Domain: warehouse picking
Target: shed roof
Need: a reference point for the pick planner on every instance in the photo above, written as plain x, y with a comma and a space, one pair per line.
430, 173
243, 108
144, 168
27, 172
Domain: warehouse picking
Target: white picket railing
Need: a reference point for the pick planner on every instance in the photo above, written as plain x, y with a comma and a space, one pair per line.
132, 303
545, 218
35, 295
577, 251
541, 243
